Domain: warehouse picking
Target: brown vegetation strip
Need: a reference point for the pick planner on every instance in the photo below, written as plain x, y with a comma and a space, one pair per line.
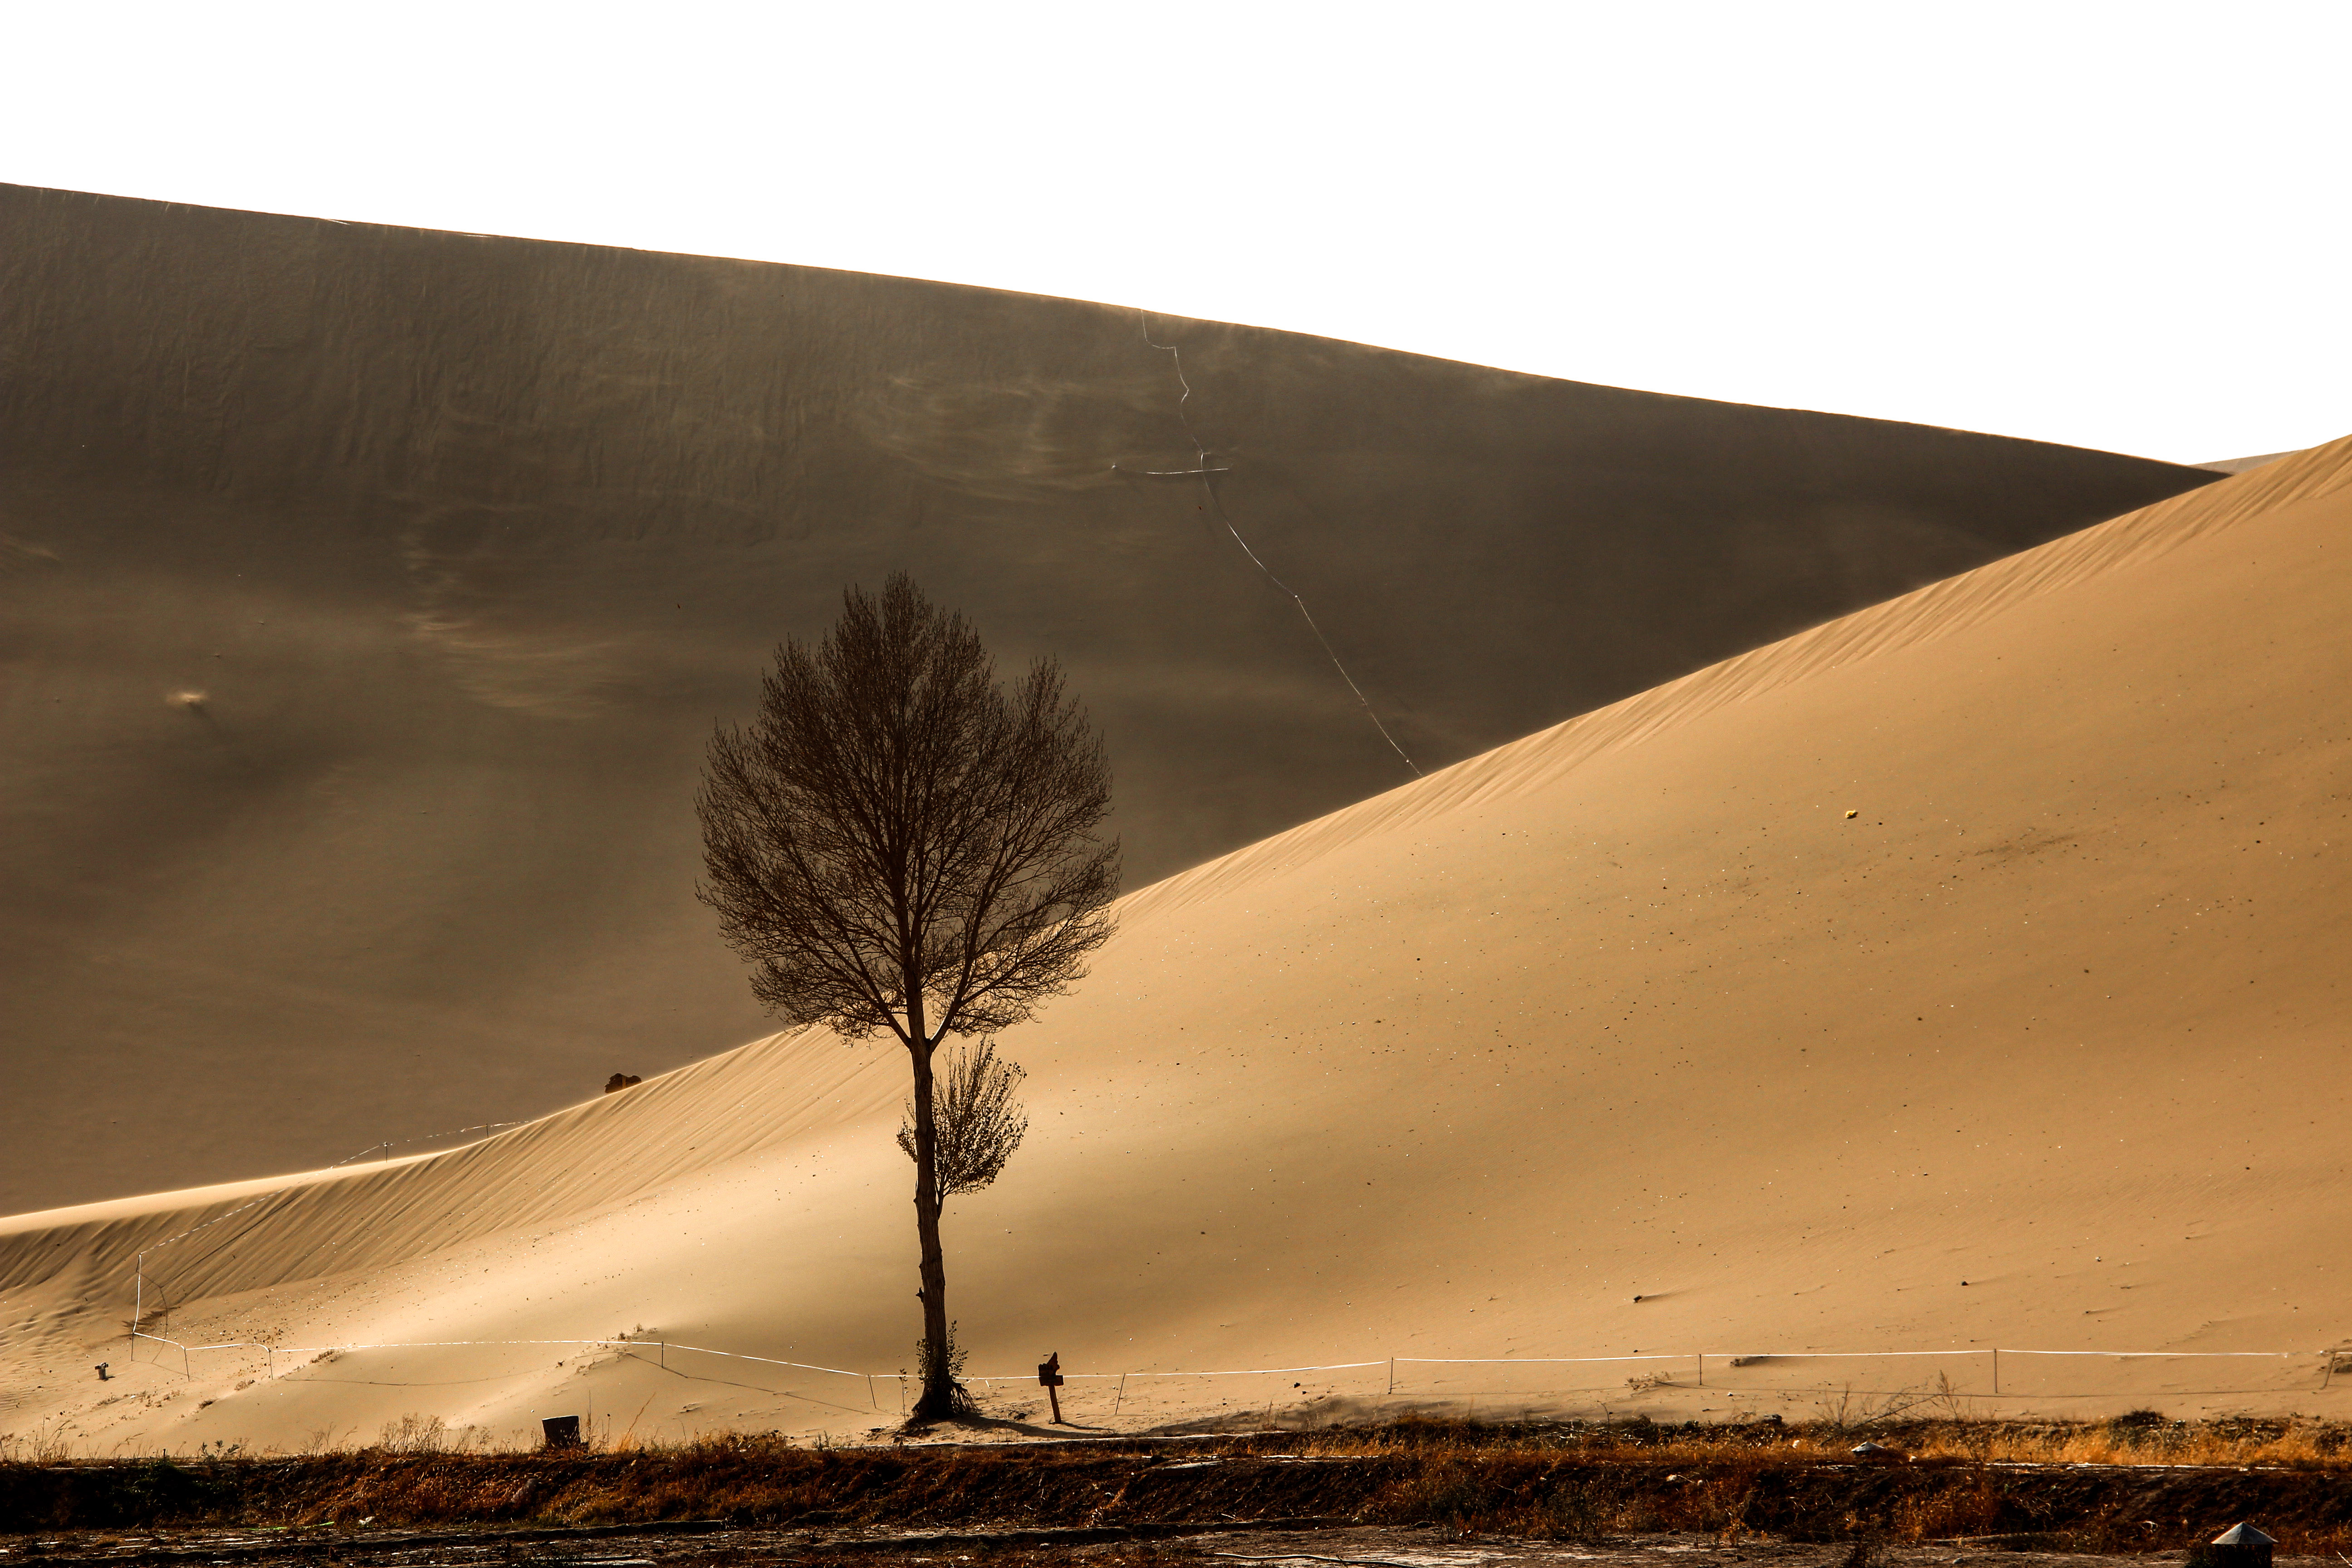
1559, 1483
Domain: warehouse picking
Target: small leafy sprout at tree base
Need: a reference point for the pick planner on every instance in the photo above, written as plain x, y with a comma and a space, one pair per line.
947, 1366
895, 843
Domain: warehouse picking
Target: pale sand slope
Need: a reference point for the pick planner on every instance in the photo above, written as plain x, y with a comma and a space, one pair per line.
1628, 1008
467, 541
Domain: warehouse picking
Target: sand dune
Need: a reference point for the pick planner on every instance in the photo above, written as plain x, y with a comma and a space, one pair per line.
2241, 465
1961, 973
465, 542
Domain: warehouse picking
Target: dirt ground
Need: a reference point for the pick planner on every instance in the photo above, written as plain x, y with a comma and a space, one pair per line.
703, 1545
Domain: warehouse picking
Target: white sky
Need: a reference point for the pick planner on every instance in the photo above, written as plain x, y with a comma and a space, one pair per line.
2118, 226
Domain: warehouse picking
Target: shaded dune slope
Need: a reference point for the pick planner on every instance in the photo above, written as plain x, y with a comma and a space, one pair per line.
1958, 974
1939, 611
465, 541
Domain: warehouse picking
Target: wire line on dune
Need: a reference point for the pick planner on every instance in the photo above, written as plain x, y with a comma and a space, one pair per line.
1204, 471
626, 1344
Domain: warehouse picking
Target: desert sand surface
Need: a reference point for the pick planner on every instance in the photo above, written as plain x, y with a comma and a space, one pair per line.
463, 544
1963, 974
2242, 465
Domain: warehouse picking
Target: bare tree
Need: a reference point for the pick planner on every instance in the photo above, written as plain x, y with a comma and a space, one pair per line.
897, 844
979, 1123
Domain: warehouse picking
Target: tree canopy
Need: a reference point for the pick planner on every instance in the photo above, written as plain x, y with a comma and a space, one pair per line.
895, 843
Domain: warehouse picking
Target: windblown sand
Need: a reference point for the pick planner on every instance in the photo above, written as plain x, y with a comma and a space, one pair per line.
463, 544
1963, 973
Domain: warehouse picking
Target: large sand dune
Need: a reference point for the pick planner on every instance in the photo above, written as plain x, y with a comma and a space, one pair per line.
1962, 973
465, 541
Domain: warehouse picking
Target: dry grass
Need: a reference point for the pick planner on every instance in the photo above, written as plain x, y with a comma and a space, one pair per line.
2141, 1438
41, 1445
2150, 1483
1964, 1480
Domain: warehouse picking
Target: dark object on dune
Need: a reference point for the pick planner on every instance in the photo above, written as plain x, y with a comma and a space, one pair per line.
563, 1431
621, 1080
2240, 1546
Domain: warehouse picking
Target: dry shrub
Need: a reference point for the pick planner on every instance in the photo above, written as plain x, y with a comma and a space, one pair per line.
1717, 1503
42, 1445
413, 1434
1973, 1508
1455, 1492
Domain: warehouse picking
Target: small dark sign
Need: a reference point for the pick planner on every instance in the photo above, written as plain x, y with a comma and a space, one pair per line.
563, 1431
1049, 1373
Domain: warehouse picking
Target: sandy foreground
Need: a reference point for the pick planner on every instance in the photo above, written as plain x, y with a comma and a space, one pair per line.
1962, 974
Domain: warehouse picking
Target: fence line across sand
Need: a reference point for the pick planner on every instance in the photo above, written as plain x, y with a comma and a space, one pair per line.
2328, 1363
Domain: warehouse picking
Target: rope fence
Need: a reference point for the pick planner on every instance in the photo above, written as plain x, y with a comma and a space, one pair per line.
2329, 1361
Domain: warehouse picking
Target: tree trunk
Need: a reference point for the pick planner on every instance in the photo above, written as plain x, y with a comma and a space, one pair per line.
938, 1400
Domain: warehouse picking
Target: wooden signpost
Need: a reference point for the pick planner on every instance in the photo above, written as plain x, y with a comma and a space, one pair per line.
1049, 1373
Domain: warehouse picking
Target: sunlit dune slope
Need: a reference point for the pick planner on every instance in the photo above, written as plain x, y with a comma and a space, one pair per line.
367, 594
1964, 973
